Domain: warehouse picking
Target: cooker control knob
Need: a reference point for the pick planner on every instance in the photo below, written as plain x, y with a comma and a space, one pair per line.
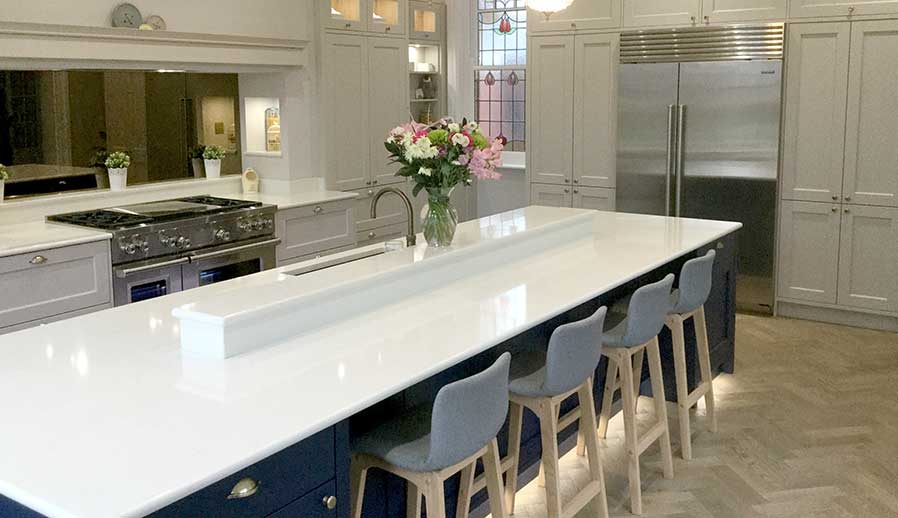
269, 223
127, 247
168, 241
141, 244
222, 235
258, 224
182, 242
244, 225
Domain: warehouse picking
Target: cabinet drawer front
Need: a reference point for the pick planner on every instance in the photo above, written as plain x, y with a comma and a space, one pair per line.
551, 195
50, 282
281, 479
379, 235
312, 229
594, 198
315, 505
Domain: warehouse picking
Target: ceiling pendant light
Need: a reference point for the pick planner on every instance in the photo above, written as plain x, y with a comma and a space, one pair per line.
549, 7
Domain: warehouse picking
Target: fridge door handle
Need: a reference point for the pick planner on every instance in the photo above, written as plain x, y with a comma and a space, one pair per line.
671, 132
681, 155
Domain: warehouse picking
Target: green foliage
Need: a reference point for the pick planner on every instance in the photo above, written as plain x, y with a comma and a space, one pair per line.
118, 160
213, 153
4, 173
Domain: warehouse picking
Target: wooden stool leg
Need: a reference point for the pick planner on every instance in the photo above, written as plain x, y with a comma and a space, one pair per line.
660, 405
413, 500
436, 497
493, 472
465, 488
548, 426
675, 323
591, 439
515, 420
608, 396
629, 411
581, 430
638, 361
358, 473
704, 358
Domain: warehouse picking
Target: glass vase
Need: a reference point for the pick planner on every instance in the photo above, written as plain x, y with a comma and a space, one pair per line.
441, 219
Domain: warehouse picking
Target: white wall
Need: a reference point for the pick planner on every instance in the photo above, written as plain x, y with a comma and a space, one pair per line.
289, 19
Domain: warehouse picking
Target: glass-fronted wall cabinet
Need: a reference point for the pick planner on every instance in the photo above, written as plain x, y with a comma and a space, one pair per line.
426, 19
383, 16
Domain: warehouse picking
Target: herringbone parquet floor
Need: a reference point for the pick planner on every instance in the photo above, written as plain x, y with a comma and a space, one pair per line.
808, 428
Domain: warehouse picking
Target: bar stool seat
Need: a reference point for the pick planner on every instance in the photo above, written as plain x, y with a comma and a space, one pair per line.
428, 445
541, 381
629, 340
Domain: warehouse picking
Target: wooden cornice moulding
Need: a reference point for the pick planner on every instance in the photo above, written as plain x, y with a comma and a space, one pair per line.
34, 41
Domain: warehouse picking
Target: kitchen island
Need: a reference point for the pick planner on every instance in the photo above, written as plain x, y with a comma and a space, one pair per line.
106, 416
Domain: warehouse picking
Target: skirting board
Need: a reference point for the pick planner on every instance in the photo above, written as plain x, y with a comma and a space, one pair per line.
837, 316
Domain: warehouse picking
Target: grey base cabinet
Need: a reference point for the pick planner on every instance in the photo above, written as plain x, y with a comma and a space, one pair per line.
314, 230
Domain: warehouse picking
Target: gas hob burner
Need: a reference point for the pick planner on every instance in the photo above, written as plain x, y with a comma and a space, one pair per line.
224, 203
103, 219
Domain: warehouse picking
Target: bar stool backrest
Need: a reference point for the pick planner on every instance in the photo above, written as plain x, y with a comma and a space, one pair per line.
695, 283
468, 414
574, 353
648, 309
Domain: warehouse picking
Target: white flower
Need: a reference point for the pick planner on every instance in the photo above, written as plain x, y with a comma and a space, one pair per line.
461, 139
425, 171
420, 150
454, 127
472, 127
398, 131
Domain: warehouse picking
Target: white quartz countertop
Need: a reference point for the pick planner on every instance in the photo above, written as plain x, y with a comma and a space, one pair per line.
105, 416
293, 200
23, 238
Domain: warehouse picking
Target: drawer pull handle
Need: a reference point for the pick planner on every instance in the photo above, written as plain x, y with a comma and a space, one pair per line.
246, 488
720, 246
330, 502
318, 209
371, 235
38, 259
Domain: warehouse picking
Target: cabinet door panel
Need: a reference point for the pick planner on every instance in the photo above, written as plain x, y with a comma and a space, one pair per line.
387, 102
309, 230
809, 8
871, 163
387, 16
346, 91
348, 15
593, 198
551, 195
594, 14
550, 106
641, 13
426, 20
814, 133
595, 110
868, 264
809, 251
720, 11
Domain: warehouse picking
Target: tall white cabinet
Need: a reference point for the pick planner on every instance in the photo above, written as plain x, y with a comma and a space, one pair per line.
572, 117
839, 214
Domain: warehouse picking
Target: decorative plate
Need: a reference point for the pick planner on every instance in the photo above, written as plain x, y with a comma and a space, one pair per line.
126, 15
156, 22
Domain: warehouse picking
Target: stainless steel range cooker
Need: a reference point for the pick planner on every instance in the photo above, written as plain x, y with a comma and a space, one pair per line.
168, 246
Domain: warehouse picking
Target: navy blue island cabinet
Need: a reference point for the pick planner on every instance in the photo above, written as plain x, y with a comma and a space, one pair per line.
311, 478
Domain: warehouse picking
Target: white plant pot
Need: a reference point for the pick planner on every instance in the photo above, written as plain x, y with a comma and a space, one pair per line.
199, 170
118, 179
213, 168
2, 183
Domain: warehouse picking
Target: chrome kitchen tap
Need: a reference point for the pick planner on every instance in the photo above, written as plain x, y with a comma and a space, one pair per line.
410, 239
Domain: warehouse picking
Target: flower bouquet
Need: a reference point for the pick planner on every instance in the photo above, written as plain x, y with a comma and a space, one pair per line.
438, 158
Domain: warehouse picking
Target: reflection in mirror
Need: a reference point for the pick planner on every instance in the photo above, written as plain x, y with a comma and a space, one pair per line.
56, 127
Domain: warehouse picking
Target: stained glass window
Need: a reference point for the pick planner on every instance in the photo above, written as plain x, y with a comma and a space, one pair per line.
501, 70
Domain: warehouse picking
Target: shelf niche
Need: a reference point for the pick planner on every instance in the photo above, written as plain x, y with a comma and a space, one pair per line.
263, 131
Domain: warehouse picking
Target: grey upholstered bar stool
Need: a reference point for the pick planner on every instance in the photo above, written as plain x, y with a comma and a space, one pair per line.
427, 446
541, 380
689, 302
636, 335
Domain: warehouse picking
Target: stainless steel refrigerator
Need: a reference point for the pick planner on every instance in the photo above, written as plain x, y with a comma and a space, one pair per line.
699, 134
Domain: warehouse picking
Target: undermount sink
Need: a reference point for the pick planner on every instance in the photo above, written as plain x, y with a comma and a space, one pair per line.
345, 258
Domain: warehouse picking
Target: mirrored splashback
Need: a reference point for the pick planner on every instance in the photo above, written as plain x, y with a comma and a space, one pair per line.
56, 127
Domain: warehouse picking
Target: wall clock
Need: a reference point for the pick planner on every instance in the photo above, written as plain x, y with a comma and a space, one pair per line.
126, 15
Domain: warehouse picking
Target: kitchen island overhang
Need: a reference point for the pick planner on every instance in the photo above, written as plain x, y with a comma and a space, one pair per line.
181, 422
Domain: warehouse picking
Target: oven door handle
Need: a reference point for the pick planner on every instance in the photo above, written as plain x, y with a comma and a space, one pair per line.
121, 273
226, 252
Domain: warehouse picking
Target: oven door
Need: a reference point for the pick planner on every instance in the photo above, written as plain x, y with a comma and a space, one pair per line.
229, 262
146, 280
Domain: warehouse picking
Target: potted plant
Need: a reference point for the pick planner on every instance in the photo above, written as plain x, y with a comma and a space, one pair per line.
4, 175
439, 157
117, 164
212, 156
196, 161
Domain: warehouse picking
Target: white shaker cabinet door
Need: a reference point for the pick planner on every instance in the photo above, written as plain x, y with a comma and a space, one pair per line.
595, 110
387, 103
728, 11
811, 8
814, 131
581, 15
868, 266
551, 195
809, 251
550, 106
346, 93
643, 13
871, 141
